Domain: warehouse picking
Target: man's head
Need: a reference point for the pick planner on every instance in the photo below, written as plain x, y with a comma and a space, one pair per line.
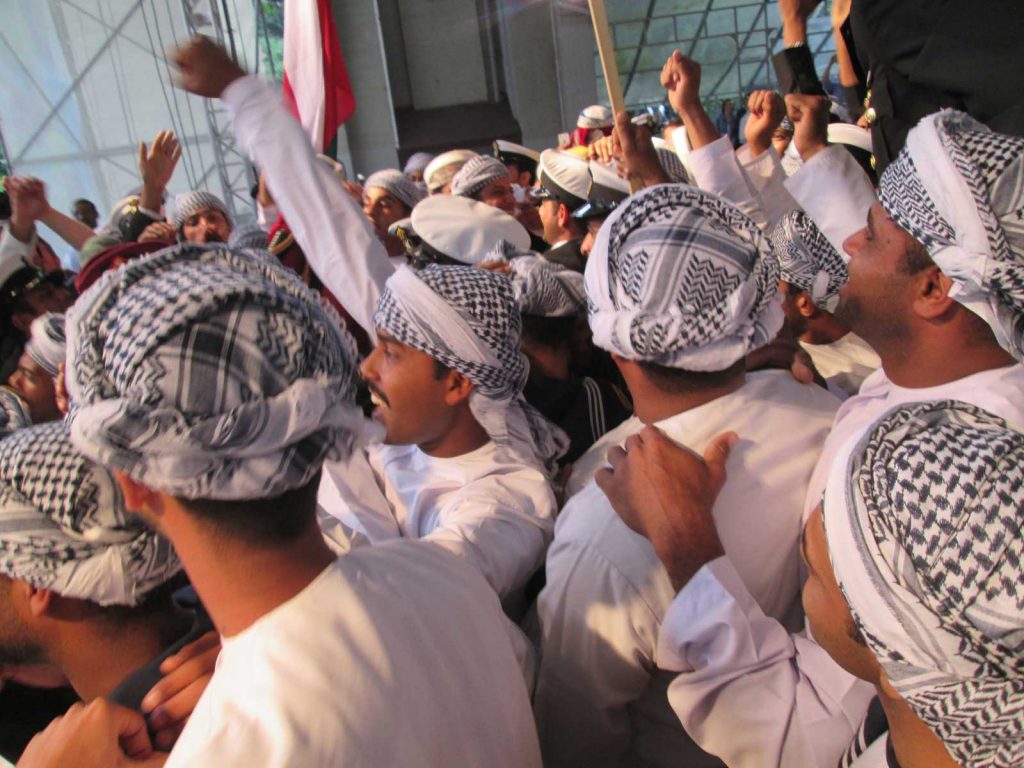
441, 170
944, 237
563, 183
606, 191
683, 280
811, 270
38, 366
200, 217
210, 374
459, 230
69, 550
782, 136
27, 292
464, 321
389, 196
416, 165
552, 302
521, 162
923, 522
485, 179
85, 211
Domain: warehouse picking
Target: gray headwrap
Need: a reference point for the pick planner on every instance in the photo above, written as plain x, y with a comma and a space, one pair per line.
924, 524
958, 188
546, 289
476, 174
188, 203
64, 527
13, 412
398, 184
807, 259
209, 373
47, 344
418, 162
250, 235
680, 278
467, 318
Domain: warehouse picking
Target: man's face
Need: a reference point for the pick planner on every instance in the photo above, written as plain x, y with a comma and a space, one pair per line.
780, 140
35, 386
828, 615
17, 644
498, 194
416, 176
875, 301
383, 210
407, 392
593, 226
548, 210
86, 213
207, 225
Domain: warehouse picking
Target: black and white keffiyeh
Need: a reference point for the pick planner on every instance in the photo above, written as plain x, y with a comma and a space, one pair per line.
188, 203
13, 412
209, 373
476, 174
546, 289
46, 343
924, 518
672, 165
808, 260
64, 526
397, 184
680, 278
958, 188
467, 319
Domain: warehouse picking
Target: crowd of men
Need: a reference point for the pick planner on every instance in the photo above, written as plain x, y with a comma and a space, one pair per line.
636, 451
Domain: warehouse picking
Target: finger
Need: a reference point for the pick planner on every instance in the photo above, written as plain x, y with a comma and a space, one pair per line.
605, 479
615, 455
142, 152
802, 368
195, 648
130, 726
165, 738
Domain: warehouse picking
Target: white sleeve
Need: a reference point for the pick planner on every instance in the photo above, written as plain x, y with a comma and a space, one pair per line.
335, 236
13, 249
592, 624
767, 178
749, 692
835, 192
504, 539
716, 169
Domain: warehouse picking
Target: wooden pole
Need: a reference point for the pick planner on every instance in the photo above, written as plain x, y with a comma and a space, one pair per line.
606, 51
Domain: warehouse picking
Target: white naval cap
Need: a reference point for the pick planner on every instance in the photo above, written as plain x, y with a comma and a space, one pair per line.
454, 157
466, 230
595, 116
563, 177
509, 151
607, 190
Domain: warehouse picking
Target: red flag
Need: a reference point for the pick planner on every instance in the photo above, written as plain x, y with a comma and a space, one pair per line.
316, 85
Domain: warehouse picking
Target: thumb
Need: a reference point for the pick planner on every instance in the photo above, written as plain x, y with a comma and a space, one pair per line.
132, 732
715, 455
622, 128
142, 152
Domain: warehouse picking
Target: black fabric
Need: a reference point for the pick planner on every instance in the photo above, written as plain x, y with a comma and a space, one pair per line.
537, 243
130, 691
568, 254
133, 224
584, 408
794, 67
924, 55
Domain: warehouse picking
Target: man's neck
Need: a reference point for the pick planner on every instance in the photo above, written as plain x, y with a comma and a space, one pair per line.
916, 366
823, 330
96, 659
652, 406
465, 435
239, 582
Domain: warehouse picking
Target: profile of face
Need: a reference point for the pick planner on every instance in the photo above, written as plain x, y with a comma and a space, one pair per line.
416, 176
383, 209
498, 194
36, 387
411, 398
593, 227
780, 140
831, 623
207, 225
549, 216
86, 213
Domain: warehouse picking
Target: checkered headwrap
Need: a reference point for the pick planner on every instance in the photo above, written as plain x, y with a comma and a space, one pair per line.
209, 373
13, 412
467, 319
64, 527
672, 165
188, 203
807, 259
924, 523
546, 289
958, 188
680, 278
476, 174
46, 344
398, 184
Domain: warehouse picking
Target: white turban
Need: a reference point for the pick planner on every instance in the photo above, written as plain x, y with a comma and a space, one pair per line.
397, 184
46, 344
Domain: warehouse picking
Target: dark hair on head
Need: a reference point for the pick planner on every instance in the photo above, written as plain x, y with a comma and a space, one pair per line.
154, 603
260, 522
550, 332
440, 370
916, 258
678, 381
82, 200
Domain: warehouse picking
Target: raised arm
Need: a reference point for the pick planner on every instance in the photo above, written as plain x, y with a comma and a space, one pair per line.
335, 236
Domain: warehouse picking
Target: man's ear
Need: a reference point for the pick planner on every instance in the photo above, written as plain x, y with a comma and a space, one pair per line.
931, 298
138, 497
805, 305
38, 600
564, 216
458, 388
22, 321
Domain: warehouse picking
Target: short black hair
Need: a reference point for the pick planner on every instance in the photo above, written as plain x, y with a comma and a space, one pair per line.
550, 332
261, 522
916, 258
679, 381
